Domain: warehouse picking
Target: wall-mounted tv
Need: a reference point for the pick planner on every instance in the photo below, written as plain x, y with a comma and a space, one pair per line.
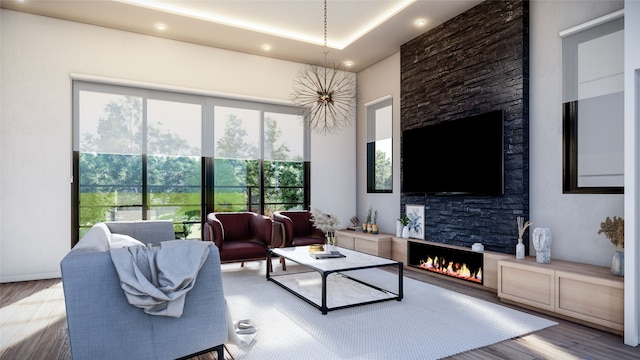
456, 157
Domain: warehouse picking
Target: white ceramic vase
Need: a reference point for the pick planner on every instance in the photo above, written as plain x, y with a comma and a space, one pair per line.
617, 263
405, 232
398, 229
520, 250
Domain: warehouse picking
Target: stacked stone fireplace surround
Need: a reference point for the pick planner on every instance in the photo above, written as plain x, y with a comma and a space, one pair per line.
472, 64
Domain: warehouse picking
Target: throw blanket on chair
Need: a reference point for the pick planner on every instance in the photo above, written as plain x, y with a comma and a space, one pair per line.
157, 277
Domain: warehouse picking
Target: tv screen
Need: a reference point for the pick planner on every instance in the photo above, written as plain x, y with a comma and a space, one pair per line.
456, 157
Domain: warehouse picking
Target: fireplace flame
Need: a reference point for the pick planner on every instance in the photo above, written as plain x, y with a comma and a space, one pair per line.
450, 268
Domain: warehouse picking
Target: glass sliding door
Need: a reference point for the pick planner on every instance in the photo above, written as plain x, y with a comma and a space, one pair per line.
237, 159
284, 162
142, 154
174, 164
110, 158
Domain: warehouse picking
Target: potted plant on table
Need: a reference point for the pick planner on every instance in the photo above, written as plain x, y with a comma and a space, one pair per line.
374, 226
368, 227
404, 220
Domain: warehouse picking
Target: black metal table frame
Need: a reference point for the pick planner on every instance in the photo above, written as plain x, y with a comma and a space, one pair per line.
325, 273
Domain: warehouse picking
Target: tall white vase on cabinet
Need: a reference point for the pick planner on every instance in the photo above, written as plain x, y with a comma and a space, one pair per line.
398, 229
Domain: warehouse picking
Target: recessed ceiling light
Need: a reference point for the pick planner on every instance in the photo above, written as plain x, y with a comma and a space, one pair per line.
421, 22
266, 47
348, 63
161, 27
179, 7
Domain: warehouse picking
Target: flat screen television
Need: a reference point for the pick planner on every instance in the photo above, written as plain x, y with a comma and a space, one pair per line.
456, 157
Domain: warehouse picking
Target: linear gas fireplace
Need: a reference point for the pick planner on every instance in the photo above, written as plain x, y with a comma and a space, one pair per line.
461, 264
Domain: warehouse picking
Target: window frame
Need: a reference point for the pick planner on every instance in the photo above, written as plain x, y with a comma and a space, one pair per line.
372, 139
207, 146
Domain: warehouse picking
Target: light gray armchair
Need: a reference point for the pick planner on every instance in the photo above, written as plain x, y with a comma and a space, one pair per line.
103, 325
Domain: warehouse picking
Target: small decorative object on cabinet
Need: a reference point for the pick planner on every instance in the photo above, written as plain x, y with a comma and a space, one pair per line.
369, 214
404, 221
355, 223
477, 247
542, 244
374, 226
617, 263
614, 231
399, 227
522, 226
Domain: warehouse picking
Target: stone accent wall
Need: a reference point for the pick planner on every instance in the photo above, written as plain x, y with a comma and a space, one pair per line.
474, 63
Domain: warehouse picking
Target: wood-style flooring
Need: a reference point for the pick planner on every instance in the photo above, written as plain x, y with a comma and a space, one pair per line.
33, 326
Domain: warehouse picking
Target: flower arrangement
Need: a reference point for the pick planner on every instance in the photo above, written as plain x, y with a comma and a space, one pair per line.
328, 223
404, 220
522, 226
613, 230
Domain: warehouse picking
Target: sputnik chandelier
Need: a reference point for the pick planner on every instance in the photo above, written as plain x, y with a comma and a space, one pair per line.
325, 95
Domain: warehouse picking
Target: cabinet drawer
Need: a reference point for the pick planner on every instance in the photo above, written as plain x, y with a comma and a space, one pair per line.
379, 247
527, 285
591, 299
345, 241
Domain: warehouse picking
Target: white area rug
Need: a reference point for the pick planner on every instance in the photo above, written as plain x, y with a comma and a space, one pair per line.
429, 323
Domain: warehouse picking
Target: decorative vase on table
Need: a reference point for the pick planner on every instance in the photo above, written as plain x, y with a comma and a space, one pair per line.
399, 227
617, 262
405, 232
331, 241
520, 250
522, 226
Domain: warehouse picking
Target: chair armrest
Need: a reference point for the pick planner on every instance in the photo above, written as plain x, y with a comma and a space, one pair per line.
214, 231
287, 225
279, 239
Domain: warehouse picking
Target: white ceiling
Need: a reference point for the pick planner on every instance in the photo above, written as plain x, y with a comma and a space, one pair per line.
361, 31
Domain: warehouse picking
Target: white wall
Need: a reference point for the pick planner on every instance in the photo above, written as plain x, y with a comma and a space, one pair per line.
632, 175
375, 82
37, 56
574, 219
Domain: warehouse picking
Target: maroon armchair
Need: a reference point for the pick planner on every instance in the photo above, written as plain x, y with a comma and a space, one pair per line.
240, 236
298, 229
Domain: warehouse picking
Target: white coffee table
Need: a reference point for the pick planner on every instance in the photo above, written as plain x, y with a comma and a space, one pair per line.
346, 274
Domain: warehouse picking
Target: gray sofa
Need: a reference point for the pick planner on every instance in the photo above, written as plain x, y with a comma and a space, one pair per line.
103, 325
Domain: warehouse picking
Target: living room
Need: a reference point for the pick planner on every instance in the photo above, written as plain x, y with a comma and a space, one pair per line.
41, 56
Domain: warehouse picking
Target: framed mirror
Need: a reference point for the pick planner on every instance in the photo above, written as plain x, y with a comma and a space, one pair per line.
593, 107
380, 145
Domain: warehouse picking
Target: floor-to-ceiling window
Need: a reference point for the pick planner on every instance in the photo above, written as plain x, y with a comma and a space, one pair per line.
149, 154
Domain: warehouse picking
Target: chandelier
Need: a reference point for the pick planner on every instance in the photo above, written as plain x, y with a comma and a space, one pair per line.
325, 94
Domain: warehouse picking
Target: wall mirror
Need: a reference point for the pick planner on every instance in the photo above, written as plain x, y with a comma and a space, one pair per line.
379, 145
593, 107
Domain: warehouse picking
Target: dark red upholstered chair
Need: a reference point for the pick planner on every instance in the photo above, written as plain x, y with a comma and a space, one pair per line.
240, 236
298, 228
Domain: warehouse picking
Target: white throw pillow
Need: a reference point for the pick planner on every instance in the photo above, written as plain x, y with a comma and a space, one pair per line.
120, 240
96, 239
